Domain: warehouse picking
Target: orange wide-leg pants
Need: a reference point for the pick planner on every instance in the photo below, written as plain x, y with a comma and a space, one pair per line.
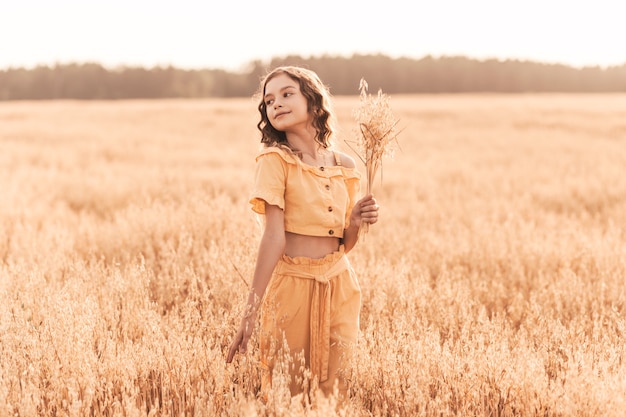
310, 322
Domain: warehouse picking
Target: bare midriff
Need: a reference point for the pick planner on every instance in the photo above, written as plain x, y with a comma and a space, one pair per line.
310, 246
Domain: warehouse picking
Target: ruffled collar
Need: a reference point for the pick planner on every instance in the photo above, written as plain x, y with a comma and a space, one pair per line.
324, 171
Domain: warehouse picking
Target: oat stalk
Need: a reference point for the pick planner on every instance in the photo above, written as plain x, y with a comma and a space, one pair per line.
375, 136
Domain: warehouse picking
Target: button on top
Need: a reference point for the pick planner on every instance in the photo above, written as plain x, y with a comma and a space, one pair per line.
330, 209
331, 232
322, 168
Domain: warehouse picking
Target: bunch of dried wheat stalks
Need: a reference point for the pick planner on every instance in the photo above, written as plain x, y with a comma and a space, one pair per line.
375, 134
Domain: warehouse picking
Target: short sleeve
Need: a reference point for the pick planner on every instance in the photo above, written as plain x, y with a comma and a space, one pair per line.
269, 182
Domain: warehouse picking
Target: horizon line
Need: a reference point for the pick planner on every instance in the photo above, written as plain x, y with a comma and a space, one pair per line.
305, 57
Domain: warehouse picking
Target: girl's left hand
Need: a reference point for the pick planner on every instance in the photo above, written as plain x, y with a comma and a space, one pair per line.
364, 211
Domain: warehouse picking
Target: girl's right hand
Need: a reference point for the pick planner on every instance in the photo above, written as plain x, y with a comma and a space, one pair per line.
240, 342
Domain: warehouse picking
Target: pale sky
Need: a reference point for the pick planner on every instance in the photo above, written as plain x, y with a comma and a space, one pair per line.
229, 34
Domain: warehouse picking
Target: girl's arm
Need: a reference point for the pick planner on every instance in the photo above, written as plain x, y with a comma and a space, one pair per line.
365, 210
271, 248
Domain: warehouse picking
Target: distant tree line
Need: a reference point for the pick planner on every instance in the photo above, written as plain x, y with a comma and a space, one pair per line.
453, 74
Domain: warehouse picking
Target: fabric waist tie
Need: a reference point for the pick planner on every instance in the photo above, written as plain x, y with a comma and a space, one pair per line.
320, 312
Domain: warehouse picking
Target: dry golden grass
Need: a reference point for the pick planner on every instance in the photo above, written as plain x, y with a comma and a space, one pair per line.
375, 131
376, 135
493, 284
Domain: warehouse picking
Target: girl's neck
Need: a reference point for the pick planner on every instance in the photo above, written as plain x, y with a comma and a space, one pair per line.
305, 144
312, 153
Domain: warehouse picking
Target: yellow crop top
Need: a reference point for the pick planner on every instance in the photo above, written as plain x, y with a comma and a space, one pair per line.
317, 201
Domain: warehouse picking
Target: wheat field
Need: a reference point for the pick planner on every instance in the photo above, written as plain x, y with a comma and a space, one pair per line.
493, 284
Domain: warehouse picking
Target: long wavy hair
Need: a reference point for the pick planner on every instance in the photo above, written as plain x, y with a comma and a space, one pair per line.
319, 105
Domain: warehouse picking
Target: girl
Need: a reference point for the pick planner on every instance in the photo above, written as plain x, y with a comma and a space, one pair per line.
303, 285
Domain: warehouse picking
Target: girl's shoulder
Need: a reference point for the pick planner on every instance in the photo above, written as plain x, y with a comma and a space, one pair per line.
270, 149
346, 160
283, 153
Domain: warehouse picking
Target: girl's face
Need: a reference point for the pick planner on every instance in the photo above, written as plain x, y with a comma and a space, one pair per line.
286, 106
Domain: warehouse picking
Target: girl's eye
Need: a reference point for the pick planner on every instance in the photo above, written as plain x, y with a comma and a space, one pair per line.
269, 102
287, 94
